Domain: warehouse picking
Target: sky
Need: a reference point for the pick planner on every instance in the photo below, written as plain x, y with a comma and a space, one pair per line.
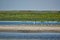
29, 4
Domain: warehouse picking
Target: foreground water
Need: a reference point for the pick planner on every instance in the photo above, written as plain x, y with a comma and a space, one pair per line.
29, 36
27, 22
29, 39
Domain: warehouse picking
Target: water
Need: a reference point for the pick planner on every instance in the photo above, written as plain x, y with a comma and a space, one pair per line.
29, 36
29, 39
27, 22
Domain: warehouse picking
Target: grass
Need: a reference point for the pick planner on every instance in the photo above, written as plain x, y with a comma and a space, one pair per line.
29, 15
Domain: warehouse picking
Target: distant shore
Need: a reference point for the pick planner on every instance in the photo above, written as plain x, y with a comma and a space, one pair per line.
29, 28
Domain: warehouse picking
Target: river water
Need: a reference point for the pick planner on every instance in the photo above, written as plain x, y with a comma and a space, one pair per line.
29, 36
28, 22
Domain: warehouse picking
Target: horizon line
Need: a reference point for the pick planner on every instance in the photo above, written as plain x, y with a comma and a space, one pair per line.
28, 10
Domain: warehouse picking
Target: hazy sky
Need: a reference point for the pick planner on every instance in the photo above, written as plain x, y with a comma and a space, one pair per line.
29, 4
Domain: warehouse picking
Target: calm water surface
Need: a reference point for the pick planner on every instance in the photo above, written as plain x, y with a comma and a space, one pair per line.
26, 22
29, 36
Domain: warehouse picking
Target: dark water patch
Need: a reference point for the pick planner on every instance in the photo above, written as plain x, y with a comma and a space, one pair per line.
29, 39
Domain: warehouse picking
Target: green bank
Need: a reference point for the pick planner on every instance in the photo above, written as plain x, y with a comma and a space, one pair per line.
29, 15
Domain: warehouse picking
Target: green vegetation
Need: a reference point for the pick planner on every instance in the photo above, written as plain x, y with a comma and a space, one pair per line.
29, 15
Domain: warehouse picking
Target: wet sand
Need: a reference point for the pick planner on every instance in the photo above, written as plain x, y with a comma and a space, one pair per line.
29, 28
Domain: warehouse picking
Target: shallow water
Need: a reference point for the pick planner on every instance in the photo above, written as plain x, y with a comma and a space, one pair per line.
28, 36
26, 22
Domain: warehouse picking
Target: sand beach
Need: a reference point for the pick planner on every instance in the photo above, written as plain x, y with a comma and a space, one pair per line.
29, 28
